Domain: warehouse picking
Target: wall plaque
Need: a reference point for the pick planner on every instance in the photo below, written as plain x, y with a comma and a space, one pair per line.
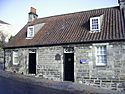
57, 57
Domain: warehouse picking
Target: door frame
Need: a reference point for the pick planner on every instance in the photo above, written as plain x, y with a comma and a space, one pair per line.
68, 50
32, 51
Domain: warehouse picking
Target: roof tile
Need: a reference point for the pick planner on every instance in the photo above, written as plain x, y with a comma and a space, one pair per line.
73, 28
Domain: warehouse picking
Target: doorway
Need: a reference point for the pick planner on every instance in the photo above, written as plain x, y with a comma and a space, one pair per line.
32, 63
69, 67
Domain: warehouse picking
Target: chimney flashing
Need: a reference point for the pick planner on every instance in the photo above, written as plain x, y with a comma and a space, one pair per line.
32, 13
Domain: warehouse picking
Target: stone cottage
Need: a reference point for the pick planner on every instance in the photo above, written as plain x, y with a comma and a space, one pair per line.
84, 47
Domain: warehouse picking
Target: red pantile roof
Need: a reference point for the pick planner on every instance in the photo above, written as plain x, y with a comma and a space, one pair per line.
73, 28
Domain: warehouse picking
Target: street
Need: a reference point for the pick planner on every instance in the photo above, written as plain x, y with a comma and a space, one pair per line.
11, 83
9, 86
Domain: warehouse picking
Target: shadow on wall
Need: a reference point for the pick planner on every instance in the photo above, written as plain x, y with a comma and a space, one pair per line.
1, 59
1, 66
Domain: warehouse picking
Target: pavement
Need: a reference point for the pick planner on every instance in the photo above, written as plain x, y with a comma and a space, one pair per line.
11, 86
75, 88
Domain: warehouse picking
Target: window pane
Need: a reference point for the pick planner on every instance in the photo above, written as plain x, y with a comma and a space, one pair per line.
30, 31
95, 24
15, 57
16, 60
101, 55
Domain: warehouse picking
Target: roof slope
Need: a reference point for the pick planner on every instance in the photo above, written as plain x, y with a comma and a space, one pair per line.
2, 22
73, 28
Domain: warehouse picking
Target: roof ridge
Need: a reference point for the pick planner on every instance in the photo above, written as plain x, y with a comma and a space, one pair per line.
76, 12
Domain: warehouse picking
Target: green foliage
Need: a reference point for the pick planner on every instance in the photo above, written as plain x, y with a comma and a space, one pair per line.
11, 37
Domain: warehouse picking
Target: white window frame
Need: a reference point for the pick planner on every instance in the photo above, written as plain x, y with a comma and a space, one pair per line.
101, 55
15, 58
30, 33
98, 24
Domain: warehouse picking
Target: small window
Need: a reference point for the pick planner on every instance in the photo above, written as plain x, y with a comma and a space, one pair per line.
30, 32
15, 58
101, 55
95, 24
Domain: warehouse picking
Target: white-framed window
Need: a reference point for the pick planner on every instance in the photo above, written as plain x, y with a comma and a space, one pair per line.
95, 24
15, 58
30, 32
101, 55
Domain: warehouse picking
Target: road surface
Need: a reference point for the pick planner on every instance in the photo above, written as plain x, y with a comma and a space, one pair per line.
11, 86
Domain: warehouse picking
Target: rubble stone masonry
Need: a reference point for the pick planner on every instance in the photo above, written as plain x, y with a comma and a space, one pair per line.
110, 76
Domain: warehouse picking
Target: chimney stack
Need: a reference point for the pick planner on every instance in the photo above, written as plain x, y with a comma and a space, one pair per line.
32, 14
121, 4
122, 7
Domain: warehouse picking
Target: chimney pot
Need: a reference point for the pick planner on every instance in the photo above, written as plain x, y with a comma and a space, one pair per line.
33, 10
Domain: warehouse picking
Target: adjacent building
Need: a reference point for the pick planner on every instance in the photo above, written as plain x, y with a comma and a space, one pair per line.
5, 31
84, 47
5, 34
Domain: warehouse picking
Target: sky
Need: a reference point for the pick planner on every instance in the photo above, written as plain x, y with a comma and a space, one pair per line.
15, 12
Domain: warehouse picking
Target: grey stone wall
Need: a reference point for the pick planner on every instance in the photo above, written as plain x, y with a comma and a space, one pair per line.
83, 52
47, 66
22, 66
111, 76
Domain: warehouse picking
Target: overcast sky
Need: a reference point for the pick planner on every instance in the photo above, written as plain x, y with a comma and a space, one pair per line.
15, 12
